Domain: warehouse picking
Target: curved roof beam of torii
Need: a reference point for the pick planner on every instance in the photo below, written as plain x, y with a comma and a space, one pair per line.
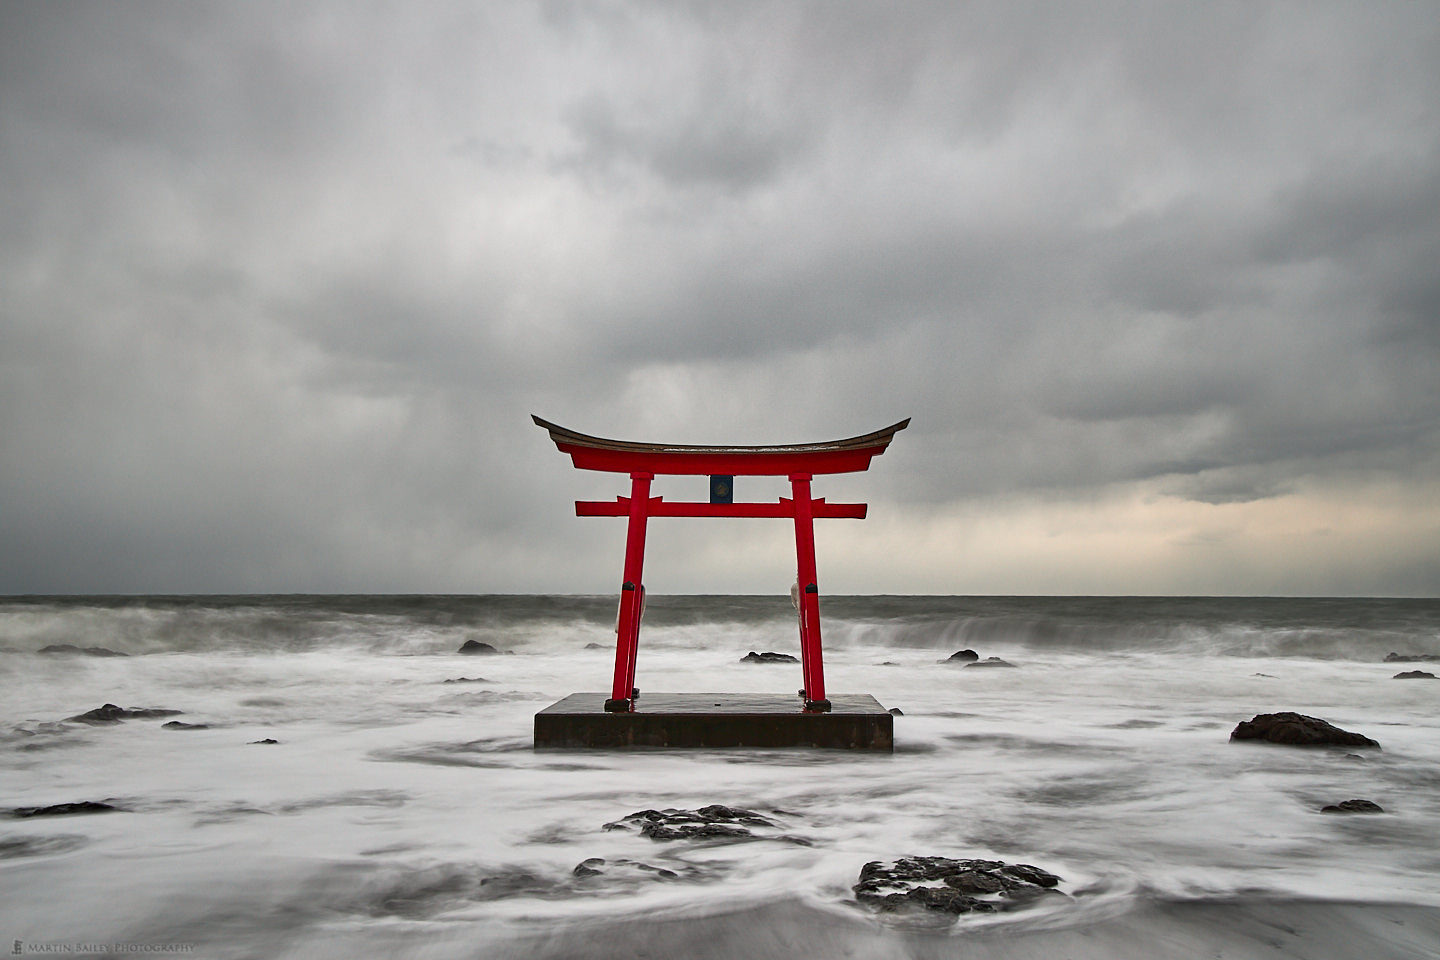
624, 456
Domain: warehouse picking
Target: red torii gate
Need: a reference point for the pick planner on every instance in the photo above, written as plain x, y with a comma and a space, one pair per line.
800, 462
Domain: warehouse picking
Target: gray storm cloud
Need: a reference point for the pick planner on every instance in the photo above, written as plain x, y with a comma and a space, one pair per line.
281, 285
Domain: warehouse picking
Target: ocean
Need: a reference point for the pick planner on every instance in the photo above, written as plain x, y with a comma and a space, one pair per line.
398, 814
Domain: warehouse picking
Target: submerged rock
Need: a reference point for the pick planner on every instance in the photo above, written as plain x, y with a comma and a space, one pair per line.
768, 657
1413, 675
1296, 730
69, 649
468, 680
475, 647
990, 662
64, 809
962, 656
109, 713
599, 866
944, 885
596, 646
181, 725
1353, 806
266, 740
714, 822
1410, 657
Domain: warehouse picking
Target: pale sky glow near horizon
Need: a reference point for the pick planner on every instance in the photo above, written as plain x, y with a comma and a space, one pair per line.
1158, 283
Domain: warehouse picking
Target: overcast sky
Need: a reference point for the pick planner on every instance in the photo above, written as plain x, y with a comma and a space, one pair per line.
281, 283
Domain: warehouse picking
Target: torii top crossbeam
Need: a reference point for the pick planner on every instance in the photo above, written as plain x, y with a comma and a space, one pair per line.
643, 461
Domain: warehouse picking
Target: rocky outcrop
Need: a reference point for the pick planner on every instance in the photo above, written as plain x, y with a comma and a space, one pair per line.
467, 680
476, 648
1411, 657
1296, 730
1353, 806
70, 650
109, 713
768, 657
990, 662
714, 822
943, 885
962, 656
181, 725
267, 740
64, 809
1413, 675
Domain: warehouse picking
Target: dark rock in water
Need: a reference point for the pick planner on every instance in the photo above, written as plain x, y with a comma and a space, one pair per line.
64, 809
951, 886
476, 647
896, 712
1413, 675
767, 657
1296, 730
990, 662
69, 649
180, 725
266, 740
715, 822
598, 866
596, 646
1353, 806
109, 713
468, 680
967, 656
887, 663
1410, 657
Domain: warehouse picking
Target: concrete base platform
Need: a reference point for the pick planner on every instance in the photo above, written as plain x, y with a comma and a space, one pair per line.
855, 722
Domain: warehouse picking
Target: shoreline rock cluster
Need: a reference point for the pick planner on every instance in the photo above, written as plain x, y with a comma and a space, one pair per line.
944, 885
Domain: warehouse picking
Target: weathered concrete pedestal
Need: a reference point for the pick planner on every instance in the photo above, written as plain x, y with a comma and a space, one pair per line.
854, 722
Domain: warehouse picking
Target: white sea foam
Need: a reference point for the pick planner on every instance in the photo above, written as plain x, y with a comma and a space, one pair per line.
397, 800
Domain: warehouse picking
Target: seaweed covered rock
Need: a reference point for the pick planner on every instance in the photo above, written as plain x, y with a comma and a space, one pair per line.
767, 657
109, 713
64, 809
70, 650
713, 822
1297, 730
945, 885
1353, 806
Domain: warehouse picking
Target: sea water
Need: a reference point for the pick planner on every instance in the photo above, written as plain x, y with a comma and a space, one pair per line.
411, 816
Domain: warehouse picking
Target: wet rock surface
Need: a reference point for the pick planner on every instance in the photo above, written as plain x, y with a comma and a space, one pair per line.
713, 822
990, 662
182, 725
1413, 675
467, 680
768, 657
267, 740
1297, 730
949, 886
630, 869
64, 809
962, 656
476, 648
70, 650
1353, 806
110, 713
1411, 657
